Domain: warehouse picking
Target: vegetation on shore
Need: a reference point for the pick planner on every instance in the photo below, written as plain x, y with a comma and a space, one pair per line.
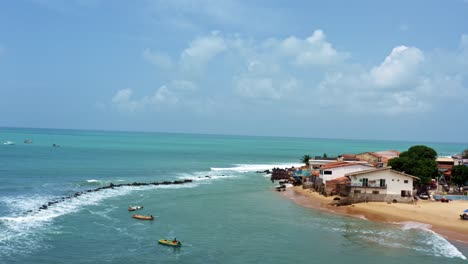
419, 161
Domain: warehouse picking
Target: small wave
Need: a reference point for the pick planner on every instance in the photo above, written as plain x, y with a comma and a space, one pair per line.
256, 167
205, 176
92, 180
407, 225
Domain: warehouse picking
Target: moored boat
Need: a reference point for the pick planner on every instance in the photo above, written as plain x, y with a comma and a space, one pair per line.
134, 208
143, 217
172, 243
8, 143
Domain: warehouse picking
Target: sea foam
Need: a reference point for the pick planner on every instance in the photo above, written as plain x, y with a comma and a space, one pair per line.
256, 167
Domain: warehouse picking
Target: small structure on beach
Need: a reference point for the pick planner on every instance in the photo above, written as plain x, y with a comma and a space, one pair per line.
379, 185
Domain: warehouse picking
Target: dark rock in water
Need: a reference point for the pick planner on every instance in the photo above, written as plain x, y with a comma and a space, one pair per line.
166, 182
188, 180
177, 182
43, 207
267, 171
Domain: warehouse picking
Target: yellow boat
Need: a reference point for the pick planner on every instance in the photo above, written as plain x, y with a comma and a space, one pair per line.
143, 217
170, 242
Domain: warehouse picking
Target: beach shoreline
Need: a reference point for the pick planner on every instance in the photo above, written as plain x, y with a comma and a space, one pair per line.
443, 218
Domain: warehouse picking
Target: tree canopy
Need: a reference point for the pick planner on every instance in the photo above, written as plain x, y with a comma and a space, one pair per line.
305, 159
459, 175
465, 154
418, 161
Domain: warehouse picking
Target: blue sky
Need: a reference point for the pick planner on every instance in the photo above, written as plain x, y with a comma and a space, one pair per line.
330, 69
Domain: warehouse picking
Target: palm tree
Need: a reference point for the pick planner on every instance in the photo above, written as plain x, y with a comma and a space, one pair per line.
305, 159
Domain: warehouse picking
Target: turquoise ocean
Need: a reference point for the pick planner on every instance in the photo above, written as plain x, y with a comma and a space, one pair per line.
232, 216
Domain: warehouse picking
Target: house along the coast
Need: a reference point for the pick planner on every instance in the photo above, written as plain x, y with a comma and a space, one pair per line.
380, 185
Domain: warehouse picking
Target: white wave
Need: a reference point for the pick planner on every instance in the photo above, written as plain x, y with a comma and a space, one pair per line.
92, 180
205, 176
406, 225
257, 167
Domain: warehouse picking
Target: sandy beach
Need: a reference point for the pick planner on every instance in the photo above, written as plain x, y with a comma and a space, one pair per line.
443, 217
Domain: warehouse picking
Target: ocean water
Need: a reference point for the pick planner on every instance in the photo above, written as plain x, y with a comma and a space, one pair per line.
232, 216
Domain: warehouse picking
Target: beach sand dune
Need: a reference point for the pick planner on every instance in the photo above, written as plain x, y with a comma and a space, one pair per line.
443, 217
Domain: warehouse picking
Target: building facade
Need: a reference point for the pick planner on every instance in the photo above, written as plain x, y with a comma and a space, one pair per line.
384, 185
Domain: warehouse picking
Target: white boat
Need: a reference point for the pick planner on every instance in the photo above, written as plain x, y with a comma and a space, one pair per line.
134, 208
8, 143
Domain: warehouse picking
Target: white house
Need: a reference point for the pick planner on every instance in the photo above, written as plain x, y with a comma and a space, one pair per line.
338, 169
382, 184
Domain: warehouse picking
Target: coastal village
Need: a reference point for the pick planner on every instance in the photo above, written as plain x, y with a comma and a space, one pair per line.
365, 178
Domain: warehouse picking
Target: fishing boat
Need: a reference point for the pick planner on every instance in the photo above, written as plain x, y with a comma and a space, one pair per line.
143, 217
134, 208
171, 243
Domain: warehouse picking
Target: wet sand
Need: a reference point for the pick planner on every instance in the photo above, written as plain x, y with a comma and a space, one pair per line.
443, 217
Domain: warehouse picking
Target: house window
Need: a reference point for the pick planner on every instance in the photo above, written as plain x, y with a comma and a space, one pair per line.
357, 191
327, 172
365, 182
406, 181
405, 193
375, 192
382, 183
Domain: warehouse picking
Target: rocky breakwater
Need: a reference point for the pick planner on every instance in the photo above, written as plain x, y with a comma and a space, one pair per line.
110, 186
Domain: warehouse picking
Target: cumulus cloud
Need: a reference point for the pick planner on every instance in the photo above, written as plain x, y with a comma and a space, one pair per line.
314, 50
299, 71
157, 58
166, 95
123, 100
398, 68
402, 83
203, 49
264, 87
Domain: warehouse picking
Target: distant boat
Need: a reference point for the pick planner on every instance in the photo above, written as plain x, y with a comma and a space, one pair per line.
27, 141
134, 208
55, 146
172, 243
143, 217
8, 143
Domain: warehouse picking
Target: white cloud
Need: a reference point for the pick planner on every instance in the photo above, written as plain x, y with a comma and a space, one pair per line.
302, 72
163, 95
203, 49
403, 83
159, 59
398, 68
166, 95
264, 87
314, 50
123, 100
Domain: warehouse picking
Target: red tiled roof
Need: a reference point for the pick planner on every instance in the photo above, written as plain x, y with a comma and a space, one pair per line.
338, 180
444, 166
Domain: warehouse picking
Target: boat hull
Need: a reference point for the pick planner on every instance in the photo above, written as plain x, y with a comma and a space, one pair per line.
169, 243
143, 217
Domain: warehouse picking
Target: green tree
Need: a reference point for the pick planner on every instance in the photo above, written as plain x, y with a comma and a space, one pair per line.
459, 175
418, 161
305, 159
465, 154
